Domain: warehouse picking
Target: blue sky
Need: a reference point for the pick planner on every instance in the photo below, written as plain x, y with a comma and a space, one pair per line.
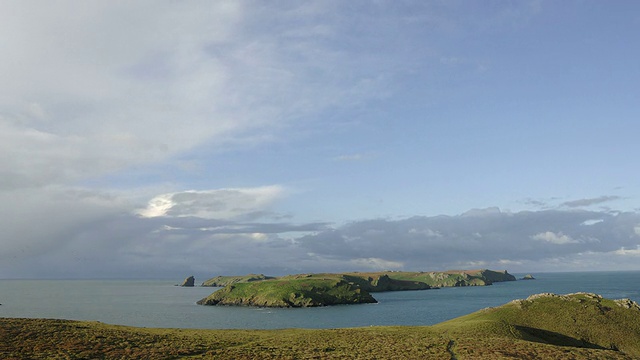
158, 139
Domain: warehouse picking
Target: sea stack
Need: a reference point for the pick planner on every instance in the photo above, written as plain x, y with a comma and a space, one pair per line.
528, 277
189, 282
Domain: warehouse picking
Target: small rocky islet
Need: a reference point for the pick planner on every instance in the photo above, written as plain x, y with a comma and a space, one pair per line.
189, 282
310, 290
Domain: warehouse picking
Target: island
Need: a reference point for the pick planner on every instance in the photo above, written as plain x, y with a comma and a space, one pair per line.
309, 290
189, 282
542, 326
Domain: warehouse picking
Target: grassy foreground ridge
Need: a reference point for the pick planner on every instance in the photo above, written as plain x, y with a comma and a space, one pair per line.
304, 290
545, 326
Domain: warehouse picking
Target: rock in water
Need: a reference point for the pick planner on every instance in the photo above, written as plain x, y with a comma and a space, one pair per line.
528, 277
190, 281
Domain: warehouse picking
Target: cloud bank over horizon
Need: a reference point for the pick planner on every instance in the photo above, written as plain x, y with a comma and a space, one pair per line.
154, 139
248, 239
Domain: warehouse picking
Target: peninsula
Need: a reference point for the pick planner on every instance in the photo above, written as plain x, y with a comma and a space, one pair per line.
307, 290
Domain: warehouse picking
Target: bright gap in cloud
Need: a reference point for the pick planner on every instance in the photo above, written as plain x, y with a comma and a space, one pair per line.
554, 238
213, 204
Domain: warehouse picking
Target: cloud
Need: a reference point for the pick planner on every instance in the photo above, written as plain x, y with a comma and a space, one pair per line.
553, 238
213, 204
628, 252
102, 91
592, 222
110, 241
377, 264
350, 157
127, 85
480, 239
589, 201
482, 212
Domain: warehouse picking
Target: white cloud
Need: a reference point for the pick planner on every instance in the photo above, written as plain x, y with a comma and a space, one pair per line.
554, 238
592, 222
510, 262
424, 232
213, 204
118, 85
628, 252
158, 206
377, 263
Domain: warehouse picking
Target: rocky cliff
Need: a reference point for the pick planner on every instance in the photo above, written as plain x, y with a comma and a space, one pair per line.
189, 282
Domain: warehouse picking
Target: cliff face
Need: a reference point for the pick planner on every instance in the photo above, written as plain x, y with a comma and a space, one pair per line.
495, 276
189, 282
380, 282
405, 280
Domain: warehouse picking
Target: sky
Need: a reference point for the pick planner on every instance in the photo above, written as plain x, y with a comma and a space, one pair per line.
162, 139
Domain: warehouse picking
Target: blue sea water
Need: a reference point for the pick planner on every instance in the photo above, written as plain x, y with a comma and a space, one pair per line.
155, 303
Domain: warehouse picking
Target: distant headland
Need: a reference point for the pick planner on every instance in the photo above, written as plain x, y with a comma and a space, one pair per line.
322, 289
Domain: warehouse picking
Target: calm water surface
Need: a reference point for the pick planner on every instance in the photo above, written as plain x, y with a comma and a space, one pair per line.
160, 304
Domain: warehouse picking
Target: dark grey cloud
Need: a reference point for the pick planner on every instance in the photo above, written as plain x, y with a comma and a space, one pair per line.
589, 201
479, 237
110, 243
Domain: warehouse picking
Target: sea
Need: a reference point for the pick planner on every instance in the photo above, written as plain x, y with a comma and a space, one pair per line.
159, 303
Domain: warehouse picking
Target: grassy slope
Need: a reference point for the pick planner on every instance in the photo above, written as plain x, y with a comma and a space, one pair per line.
571, 327
576, 320
228, 280
290, 292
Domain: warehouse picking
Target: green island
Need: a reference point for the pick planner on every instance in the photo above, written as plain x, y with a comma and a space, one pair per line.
306, 290
543, 326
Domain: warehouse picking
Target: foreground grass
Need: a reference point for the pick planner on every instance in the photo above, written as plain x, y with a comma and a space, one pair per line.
571, 327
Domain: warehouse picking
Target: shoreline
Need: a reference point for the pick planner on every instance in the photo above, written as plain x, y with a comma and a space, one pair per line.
580, 326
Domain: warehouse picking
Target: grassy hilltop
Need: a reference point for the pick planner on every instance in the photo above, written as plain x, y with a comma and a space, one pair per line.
291, 292
220, 281
546, 326
323, 289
